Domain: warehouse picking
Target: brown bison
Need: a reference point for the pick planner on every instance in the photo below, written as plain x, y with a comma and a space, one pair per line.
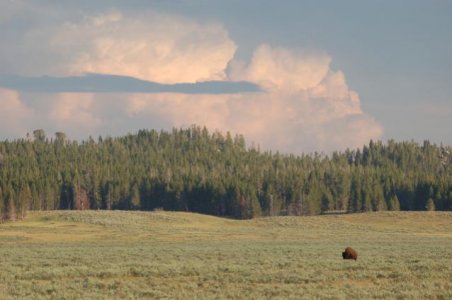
350, 253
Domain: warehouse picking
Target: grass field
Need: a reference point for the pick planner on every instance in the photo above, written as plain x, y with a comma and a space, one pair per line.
136, 255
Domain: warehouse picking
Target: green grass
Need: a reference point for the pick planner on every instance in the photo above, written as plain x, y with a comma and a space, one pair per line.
136, 255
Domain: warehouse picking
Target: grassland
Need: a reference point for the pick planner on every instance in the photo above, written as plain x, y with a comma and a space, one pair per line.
168, 255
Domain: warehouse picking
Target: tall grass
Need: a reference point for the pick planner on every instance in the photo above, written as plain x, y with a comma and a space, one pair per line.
136, 255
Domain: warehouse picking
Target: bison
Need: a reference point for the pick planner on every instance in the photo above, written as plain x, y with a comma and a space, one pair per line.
350, 253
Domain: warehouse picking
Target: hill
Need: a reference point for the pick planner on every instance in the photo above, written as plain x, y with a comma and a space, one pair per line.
213, 173
127, 255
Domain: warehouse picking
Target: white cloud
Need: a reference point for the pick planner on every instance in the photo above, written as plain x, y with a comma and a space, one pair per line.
14, 114
149, 46
183, 110
305, 105
74, 112
277, 121
283, 69
295, 123
309, 107
155, 47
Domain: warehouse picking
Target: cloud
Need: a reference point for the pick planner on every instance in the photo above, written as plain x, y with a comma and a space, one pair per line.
277, 122
148, 45
302, 104
71, 111
100, 83
14, 114
283, 69
325, 116
307, 105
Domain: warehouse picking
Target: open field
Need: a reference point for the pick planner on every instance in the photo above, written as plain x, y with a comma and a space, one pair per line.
135, 255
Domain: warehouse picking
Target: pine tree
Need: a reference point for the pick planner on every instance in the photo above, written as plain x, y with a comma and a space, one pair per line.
135, 200
9, 212
214, 173
394, 204
430, 205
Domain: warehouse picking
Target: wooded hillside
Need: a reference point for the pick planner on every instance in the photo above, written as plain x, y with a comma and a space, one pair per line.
195, 170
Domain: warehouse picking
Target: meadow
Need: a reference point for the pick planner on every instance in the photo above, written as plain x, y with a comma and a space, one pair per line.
176, 255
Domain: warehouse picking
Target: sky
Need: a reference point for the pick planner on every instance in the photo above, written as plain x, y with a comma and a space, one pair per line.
291, 76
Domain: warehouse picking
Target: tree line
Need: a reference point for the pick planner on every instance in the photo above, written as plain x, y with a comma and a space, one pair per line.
213, 173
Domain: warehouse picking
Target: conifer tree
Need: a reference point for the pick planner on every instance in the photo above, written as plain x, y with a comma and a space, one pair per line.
430, 205
394, 204
214, 173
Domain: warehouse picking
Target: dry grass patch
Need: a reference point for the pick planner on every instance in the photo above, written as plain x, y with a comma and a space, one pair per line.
130, 255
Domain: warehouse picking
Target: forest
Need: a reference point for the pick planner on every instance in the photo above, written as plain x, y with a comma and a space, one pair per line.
213, 173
